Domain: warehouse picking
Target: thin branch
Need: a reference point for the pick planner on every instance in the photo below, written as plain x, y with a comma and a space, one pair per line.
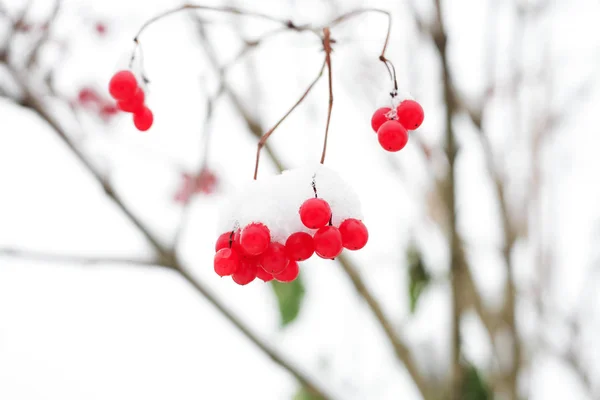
400, 348
76, 259
303, 379
327, 47
265, 137
458, 265
349, 15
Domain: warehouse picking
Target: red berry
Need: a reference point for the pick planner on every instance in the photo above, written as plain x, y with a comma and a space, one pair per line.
315, 213
246, 273
354, 234
223, 242
88, 95
100, 28
263, 275
328, 242
274, 259
134, 104
227, 262
289, 274
410, 114
255, 239
122, 86
379, 118
143, 119
300, 246
392, 136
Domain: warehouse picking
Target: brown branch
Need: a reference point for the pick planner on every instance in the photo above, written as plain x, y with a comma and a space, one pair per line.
327, 48
265, 137
303, 379
458, 265
401, 350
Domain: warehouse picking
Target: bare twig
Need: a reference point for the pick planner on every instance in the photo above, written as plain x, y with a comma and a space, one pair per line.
458, 265
327, 48
400, 348
76, 259
302, 378
265, 137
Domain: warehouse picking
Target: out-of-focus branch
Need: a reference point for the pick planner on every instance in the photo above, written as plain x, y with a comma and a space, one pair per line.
458, 265
76, 259
400, 348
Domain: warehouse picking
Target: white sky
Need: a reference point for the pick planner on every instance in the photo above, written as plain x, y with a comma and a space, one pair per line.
116, 332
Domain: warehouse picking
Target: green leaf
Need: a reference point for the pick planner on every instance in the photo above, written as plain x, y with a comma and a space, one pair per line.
289, 298
419, 278
305, 394
474, 386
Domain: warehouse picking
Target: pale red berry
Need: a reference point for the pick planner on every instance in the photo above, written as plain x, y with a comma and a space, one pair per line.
226, 262
328, 242
379, 118
274, 259
289, 274
354, 234
88, 95
392, 136
255, 239
122, 85
300, 246
263, 275
246, 273
134, 104
143, 119
315, 213
410, 114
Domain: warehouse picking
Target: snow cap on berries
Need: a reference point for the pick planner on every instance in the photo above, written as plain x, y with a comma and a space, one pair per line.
275, 201
390, 97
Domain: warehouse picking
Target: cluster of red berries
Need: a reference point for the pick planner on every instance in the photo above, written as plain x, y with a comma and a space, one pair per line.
130, 97
250, 253
392, 125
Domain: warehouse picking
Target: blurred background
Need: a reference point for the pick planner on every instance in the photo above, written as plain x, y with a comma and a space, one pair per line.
480, 279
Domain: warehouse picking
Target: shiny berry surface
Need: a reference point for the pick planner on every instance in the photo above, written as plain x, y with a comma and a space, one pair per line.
379, 118
392, 136
300, 246
226, 262
255, 239
289, 274
328, 242
122, 85
246, 272
223, 241
354, 234
410, 114
143, 120
315, 213
274, 259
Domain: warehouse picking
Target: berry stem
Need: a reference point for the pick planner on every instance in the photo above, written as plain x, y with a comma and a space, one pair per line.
327, 48
382, 57
265, 137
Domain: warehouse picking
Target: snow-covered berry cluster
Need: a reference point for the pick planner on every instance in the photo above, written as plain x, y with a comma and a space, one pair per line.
130, 97
275, 223
393, 121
